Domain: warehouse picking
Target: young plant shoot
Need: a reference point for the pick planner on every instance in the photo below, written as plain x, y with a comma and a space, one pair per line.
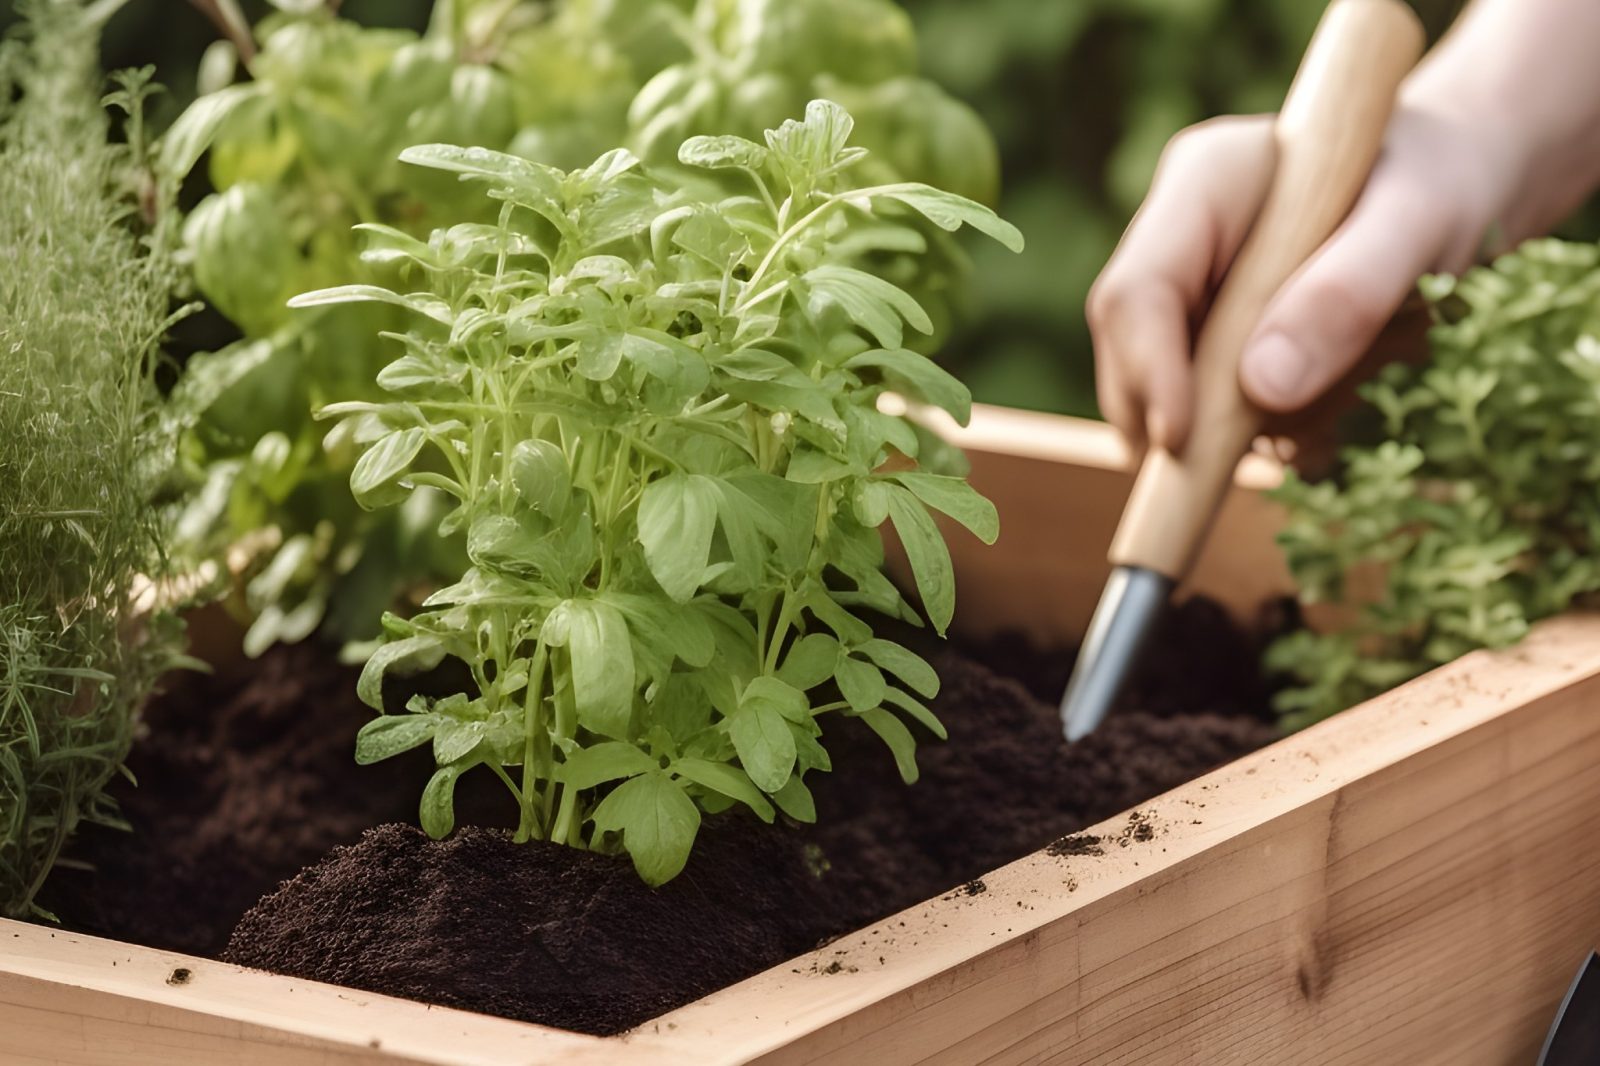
652, 395
1477, 509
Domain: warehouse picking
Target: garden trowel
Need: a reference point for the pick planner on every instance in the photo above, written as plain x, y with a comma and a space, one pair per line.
1328, 136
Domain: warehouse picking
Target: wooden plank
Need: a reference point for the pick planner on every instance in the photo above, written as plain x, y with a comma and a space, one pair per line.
84, 1001
1408, 882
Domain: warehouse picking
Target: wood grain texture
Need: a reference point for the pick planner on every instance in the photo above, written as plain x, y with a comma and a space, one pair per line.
1413, 881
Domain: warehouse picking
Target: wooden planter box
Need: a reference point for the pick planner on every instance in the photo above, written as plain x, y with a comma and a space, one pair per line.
1414, 881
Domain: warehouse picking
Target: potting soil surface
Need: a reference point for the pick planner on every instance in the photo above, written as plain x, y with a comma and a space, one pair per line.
247, 782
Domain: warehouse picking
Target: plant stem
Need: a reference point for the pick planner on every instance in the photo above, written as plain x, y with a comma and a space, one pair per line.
225, 15
533, 768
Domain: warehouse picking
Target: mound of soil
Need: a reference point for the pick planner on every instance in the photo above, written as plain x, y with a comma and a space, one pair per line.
539, 931
481, 923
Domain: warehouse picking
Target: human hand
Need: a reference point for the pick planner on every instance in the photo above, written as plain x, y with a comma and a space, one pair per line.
1491, 140
1433, 195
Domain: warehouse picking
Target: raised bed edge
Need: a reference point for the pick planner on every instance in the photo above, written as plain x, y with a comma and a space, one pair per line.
1391, 882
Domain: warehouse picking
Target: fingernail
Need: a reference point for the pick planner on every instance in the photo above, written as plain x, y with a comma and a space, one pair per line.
1277, 368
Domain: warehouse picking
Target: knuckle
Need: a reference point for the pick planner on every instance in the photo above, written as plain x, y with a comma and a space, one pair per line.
1208, 140
1347, 306
1110, 304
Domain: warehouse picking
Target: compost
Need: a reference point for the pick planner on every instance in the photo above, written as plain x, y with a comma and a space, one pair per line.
249, 784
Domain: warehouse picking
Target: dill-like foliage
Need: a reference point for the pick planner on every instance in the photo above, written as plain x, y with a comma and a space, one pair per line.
85, 283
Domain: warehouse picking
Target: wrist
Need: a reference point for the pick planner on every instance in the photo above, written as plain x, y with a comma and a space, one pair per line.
1514, 84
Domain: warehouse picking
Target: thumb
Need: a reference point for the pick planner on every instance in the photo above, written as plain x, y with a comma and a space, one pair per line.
1329, 312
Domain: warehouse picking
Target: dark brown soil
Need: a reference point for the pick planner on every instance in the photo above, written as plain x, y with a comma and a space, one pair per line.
539, 931
248, 787
243, 781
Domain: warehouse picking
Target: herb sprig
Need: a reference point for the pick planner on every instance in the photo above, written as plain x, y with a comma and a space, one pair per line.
1476, 512
652, 395
85, 444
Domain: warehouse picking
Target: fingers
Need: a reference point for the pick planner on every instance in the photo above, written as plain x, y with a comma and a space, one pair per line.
1331, 310
1207, 190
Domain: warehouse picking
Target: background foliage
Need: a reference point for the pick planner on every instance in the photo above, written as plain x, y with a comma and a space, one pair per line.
84, 444
1080, 94
1475, 511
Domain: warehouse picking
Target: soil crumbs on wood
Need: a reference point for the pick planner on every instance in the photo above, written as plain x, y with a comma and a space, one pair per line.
250, 786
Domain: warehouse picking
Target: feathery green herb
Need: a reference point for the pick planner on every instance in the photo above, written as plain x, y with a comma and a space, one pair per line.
1479, 511
651, 393
84, 447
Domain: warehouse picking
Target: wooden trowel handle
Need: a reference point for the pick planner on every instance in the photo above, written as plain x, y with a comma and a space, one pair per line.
1328, 136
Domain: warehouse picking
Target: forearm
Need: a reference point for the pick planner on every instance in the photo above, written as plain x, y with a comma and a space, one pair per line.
1524, 74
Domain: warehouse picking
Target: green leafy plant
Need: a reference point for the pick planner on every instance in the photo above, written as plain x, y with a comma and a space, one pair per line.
84, 443
1477, 512
310, 145
652, 393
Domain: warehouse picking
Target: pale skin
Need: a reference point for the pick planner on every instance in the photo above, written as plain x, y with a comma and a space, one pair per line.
1495, 138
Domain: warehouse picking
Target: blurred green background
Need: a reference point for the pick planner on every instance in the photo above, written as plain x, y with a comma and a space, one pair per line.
1081, 96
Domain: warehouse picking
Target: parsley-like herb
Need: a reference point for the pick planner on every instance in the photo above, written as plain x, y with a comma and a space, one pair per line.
1478, 512
651, 393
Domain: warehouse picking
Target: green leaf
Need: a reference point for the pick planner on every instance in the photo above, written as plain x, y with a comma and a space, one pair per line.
540, 182
929, 558
455, 739
189, 137
794, 799
861, 683
658, 823
810, 661
677, 517
727, 780
778, 695
877, 306
901, 744
816, 143
599, 356
917, 711
595, 635
949, 211
539, 470
437, 811
721, 152
870, 502
422, 303
380, 466
954, 497
390, 734
606, 761
761, 736
903, 663
920, 378
411, 655
811, 467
